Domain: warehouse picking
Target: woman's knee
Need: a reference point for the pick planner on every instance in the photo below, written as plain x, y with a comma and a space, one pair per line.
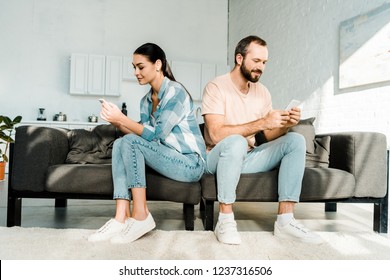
131, 137
125, 144
130, 140
117, 145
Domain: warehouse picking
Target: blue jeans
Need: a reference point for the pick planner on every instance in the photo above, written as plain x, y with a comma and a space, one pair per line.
230, 158
131, 153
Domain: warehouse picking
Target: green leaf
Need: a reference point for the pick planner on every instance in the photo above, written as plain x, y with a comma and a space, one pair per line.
7, 121
17, 120
6, 138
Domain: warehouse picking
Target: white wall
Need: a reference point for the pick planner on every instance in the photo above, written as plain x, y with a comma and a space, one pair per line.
38, 36
303, 40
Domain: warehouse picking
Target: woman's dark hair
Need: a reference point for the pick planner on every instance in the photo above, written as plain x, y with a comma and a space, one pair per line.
242, 46
154, 53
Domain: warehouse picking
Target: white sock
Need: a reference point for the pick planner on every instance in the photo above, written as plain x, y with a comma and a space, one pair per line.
284, 219
223, 216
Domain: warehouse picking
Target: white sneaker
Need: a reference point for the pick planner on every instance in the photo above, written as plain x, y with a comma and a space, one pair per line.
226, 232
134, 229
295, 230
106, 232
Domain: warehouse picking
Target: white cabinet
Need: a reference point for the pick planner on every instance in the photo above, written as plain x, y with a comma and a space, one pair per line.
195, 76
113, 75
189, 75
79, 74
95, 74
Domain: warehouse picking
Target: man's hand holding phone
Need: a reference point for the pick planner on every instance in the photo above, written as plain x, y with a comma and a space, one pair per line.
295, 115
293, 103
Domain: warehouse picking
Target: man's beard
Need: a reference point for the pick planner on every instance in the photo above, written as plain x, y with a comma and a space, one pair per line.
247, 73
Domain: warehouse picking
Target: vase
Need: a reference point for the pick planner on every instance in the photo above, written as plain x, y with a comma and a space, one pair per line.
2, 170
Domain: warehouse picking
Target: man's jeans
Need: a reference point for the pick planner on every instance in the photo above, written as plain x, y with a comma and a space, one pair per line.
230, 158
130, 154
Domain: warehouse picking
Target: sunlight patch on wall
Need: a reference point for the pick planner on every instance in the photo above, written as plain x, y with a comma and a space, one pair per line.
365, 49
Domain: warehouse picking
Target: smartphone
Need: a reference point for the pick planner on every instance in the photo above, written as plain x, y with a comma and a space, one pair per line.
293, 103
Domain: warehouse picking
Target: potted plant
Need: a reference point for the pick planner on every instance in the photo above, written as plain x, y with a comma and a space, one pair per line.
6, 127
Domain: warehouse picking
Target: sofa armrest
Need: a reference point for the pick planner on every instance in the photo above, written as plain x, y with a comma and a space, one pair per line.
35, 149
364, 154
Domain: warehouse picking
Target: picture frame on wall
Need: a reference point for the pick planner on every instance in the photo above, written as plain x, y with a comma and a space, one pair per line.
365, 48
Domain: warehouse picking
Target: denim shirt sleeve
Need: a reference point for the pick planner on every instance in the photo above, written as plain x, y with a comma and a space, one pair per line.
168, 114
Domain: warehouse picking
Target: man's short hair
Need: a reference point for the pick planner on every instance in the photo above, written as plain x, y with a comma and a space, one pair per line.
242, 46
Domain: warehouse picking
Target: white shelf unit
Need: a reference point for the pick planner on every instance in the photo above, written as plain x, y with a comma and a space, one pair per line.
68, 125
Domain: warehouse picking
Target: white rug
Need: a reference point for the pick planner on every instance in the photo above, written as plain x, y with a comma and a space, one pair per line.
71, 244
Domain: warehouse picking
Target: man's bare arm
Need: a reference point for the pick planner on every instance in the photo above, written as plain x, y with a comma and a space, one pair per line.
275, 120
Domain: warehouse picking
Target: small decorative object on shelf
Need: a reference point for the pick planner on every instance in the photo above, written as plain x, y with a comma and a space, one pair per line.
93, 118
61, 117
6, 127
41, 116
124, 108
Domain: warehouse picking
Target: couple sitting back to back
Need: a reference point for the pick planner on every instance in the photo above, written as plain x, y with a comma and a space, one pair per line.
168, 139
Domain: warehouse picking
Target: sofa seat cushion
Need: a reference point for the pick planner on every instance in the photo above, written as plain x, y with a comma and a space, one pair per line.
327, 183
251, 187
97, 179
80, 178
318, 184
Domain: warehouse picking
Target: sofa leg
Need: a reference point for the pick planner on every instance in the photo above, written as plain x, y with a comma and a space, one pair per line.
208, 215
380, 217
189, 216
381, 210
61, 202
14, 211
201, 207
330, 207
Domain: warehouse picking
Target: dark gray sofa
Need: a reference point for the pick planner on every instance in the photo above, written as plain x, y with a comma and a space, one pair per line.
42, 165
353, 171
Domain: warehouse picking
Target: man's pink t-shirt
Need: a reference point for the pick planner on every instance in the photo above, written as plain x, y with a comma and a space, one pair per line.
222, 97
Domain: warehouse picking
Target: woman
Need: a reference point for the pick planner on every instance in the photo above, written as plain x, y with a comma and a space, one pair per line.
167, 139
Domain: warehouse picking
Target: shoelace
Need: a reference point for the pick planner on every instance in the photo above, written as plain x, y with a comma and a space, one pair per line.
105, 227
299, 226
130, 223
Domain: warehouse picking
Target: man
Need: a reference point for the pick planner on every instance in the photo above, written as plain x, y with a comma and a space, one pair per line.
236, 107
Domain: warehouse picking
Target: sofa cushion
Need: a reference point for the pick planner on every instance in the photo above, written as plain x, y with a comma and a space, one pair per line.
317, 148
318, 184
327, 183
91, 146
96, 179
320, 158
80, 178
306, 128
